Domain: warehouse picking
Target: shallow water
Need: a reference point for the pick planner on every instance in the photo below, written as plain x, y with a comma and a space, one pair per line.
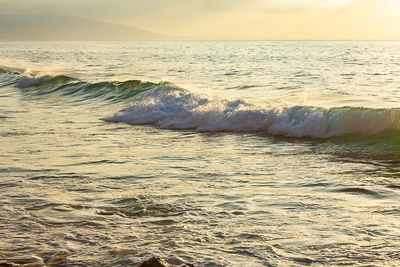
250, 154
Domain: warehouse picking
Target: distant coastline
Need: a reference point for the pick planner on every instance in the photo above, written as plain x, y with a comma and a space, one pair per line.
60, 28
48, 27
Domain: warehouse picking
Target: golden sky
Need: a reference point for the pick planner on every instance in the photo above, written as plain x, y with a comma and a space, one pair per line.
235, 19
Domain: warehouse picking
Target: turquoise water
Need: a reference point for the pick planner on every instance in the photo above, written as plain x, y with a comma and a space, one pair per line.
213, 153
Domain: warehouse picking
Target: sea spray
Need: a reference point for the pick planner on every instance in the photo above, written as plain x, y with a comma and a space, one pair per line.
174, 108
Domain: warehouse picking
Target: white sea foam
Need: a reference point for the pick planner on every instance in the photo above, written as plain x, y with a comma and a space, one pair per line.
174, 108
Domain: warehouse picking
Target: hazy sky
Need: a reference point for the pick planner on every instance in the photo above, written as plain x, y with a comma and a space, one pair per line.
235, 19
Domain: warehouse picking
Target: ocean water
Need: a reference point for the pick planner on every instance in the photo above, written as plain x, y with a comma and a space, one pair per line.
211, 153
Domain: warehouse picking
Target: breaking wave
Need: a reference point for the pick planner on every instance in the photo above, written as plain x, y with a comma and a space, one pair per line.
168, 106
174, 108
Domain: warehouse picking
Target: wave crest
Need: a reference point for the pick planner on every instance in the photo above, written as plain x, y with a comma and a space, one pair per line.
46, 80
174, 108
112, 91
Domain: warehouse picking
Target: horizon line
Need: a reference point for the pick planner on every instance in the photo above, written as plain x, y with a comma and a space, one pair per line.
204, 40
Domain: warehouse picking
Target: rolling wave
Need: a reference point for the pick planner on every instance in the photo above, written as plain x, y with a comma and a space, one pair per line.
112, 91
175, 108
168, 106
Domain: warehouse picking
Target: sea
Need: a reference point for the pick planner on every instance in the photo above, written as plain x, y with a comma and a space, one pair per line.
213, 153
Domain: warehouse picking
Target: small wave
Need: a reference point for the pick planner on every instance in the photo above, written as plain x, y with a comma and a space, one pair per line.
112, 91
46, 80
28, 82
174, 108
359, 191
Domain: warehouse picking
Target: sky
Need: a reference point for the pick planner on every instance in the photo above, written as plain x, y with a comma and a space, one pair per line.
235, 19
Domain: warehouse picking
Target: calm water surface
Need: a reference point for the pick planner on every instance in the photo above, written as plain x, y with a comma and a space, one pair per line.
212, 153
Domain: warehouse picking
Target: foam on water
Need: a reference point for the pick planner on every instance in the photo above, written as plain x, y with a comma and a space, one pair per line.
174, 108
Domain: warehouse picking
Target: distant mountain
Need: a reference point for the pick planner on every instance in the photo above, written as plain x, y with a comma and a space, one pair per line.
66, 28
